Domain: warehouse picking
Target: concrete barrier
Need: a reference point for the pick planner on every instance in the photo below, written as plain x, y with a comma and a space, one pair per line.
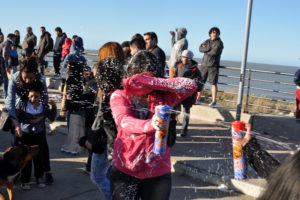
281, 126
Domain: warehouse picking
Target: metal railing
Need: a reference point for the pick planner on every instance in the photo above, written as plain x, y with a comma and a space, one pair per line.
248, 86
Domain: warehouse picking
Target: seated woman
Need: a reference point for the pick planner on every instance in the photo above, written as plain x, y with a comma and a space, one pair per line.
137, 172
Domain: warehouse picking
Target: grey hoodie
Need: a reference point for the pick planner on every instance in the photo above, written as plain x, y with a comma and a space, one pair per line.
178, 46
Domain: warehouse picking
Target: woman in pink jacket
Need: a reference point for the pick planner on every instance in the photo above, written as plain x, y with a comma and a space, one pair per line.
137, 172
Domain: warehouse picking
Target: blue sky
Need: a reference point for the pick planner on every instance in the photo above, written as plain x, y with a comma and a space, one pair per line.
274, 36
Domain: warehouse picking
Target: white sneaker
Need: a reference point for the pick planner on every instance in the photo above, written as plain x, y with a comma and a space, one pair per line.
212, 104
40, 183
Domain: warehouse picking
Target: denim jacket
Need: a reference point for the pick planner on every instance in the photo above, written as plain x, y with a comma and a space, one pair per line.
15, 93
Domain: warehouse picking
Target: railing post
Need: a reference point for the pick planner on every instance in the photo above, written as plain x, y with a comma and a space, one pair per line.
248, 91
244, 61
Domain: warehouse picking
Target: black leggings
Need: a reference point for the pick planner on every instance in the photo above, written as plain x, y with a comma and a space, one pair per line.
124, 186
33, 139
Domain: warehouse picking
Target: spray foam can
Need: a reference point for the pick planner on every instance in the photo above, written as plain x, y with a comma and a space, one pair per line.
239, 160
160, 142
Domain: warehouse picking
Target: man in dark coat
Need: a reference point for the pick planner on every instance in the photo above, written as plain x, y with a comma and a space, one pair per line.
44, 47
29, 43
151, 45
57, 49
5, 48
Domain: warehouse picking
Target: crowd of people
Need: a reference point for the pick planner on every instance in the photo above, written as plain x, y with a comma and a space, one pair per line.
110, 107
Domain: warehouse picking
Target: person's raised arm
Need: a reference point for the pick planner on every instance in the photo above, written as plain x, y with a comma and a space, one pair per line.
173, 38
125, 116
178, 88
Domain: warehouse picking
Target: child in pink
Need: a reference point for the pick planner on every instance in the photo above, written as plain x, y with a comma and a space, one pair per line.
66, 48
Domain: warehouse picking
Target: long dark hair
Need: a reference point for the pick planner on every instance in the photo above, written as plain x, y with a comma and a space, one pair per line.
28, 65
109, 75
284, 183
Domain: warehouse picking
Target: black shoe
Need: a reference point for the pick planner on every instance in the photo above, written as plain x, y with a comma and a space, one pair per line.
61, 119
49, 178
86, 170
183, 134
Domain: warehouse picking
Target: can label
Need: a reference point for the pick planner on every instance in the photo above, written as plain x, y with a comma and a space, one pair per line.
239, 160
160, 142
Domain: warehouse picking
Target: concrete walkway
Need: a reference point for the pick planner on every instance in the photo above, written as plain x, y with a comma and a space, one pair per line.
205, 154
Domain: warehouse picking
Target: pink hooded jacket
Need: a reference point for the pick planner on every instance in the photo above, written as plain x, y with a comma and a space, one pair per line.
133, 148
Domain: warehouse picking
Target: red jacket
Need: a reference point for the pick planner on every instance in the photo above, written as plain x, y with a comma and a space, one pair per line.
66, 47
133, 148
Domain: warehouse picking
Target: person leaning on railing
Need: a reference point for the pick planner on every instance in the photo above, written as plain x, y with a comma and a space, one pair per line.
297, 82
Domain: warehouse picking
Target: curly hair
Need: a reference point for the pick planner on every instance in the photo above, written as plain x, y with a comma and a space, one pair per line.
142, 61
28, 65
109, 75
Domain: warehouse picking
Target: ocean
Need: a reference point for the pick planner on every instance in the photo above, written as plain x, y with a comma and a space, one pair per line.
92, 59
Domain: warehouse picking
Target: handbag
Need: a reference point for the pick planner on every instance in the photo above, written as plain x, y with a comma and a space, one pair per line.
5, 122
260, 160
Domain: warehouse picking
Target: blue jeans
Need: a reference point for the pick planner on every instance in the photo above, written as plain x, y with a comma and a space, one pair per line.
99, 169
186, 118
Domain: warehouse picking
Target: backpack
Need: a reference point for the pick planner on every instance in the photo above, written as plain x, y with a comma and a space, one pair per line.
194, 69
50, 46
297, 77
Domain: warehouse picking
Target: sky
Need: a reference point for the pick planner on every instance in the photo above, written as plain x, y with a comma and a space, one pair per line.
274, 30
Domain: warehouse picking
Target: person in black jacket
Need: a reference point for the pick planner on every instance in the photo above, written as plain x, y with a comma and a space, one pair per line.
89, 96
212, 49
57, 49
188, 68
104, 130
17, 42
151, 45
44, 47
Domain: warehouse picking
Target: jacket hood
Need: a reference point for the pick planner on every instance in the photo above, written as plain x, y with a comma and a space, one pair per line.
62, 35
46, 33
181, 33
75, 49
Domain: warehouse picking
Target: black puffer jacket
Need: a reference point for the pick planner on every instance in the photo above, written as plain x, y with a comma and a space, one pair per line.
104, 130
60, 39
161, 58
